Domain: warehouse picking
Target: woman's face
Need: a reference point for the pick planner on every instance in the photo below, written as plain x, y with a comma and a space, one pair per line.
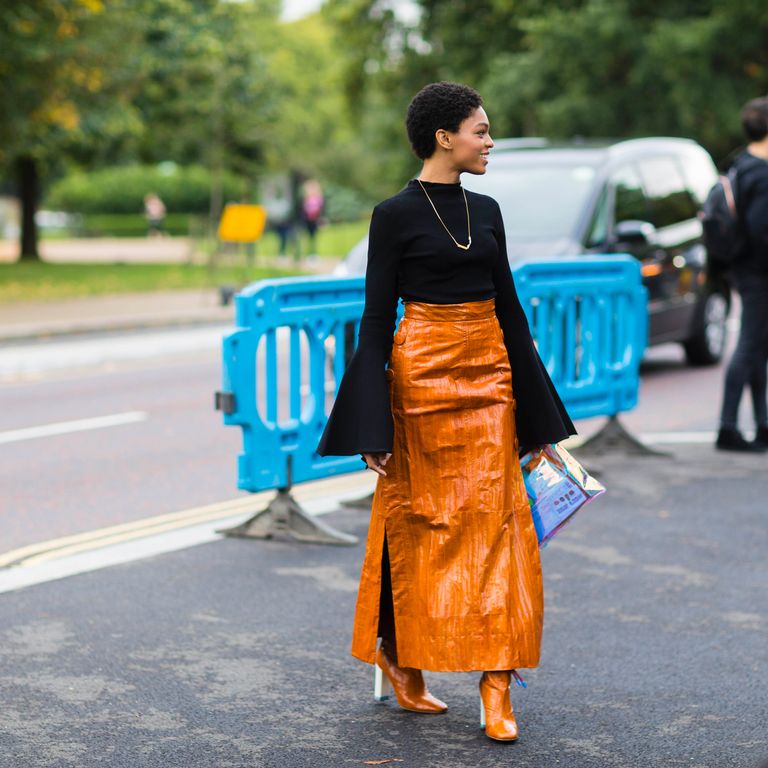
472, 143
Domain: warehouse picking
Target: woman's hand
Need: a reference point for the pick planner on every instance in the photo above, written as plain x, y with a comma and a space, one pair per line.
376, 461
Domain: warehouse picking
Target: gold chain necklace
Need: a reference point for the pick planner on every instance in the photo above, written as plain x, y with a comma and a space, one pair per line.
469, 231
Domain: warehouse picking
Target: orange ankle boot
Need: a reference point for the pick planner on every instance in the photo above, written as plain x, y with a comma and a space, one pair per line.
408, 686
496, 713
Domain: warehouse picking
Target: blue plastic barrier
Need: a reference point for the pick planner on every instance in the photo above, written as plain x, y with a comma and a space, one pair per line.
588, 316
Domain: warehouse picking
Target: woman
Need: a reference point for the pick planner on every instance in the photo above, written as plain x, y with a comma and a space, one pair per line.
451, 579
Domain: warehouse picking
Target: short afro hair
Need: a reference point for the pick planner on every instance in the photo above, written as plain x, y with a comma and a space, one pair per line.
754, 119
438, 105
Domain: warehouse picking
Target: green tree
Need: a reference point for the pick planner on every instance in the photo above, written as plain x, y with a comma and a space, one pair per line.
94, 84
205, 90
55, 90
383, 59
314, 132
559, 68
624, 69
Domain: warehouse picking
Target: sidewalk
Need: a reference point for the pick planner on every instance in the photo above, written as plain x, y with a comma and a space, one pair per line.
235, 653
95, 250
115, 312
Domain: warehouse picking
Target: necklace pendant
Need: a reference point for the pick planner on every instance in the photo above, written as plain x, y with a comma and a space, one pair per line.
465, 247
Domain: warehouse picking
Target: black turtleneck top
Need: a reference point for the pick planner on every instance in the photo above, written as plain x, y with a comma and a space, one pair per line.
411, 256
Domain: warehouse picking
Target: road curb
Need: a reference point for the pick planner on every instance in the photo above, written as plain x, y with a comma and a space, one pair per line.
56, 331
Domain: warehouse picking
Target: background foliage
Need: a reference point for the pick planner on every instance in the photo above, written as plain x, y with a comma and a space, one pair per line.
592, 68
121, 189
90, 84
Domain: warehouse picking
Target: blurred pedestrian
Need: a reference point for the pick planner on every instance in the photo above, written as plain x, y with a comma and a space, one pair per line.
452, 578
750, 277
154, 213
312, 205
279, 206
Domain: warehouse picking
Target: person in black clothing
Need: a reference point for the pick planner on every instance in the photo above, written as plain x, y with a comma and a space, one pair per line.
750, 277
411, 255
452, 578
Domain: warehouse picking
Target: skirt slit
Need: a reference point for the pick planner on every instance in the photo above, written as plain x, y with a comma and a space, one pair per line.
386, 630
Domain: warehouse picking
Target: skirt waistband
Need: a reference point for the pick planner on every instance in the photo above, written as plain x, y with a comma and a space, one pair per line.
450, 313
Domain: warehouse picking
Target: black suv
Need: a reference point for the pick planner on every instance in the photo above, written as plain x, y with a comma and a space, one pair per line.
641, 196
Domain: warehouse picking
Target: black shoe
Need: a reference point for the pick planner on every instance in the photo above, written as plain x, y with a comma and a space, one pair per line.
730, 439
761, 436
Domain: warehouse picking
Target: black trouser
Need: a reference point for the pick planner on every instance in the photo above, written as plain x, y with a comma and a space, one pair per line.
750, 358
386, 608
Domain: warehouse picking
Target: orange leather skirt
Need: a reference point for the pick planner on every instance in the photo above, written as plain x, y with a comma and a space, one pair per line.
464, 557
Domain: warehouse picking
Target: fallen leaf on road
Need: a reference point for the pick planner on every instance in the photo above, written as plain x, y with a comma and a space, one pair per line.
382, 762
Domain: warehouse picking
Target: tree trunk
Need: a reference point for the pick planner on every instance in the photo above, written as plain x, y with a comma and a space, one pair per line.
28, 191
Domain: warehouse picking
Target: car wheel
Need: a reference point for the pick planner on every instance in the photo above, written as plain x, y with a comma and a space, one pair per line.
707, 344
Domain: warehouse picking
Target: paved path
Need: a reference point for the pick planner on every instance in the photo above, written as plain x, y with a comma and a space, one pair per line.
99, 250
123, 311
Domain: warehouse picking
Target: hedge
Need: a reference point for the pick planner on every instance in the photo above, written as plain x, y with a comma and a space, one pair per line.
121, 189
184, 190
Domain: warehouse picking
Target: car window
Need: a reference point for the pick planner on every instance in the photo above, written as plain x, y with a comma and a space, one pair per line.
699, 172
670, 200
598, 227
629, 198
538, 202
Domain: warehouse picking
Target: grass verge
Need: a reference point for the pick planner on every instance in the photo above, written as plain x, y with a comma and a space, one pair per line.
39, 281
333, 240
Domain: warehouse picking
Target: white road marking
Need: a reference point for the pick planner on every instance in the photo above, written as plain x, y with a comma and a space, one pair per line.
682, 438
36, 566
66, 427
657, 438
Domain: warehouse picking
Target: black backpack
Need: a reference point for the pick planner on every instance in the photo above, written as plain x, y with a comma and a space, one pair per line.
723, 234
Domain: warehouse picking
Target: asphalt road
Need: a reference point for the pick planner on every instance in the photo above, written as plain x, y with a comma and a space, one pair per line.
235, 653
168, 450
176, 456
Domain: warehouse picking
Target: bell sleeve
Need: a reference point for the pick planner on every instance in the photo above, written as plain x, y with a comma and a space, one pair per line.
540, 414
361, 418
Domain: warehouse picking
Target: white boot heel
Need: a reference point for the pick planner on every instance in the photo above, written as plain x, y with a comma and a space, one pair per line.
382, 688
482, 714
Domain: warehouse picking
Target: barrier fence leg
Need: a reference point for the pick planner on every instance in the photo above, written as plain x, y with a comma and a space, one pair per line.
283, 516
614, 438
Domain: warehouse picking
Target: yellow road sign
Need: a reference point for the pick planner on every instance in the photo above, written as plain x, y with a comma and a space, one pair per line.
242, 223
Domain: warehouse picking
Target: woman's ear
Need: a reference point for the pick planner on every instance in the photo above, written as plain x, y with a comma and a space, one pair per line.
443, 139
